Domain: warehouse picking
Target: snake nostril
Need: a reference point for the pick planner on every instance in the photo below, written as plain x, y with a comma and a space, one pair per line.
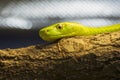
47, 30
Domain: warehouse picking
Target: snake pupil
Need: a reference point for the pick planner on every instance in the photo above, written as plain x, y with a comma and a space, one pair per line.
59, 26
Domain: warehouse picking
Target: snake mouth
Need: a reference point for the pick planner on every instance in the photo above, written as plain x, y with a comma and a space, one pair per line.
58, 36
52, 37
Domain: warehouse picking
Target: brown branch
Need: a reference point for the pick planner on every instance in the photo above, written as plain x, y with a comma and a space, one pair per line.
75, 58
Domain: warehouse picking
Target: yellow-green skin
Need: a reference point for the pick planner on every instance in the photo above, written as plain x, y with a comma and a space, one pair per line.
67, 29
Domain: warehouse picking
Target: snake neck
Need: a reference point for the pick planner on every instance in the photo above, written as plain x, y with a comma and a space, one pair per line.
102, 29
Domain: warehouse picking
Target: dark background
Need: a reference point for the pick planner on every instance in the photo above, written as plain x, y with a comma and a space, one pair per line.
20, 20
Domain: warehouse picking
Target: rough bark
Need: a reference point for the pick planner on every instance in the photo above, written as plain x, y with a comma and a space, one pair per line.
74, 58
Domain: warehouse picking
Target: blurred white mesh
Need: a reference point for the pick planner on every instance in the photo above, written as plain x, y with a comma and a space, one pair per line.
39, 13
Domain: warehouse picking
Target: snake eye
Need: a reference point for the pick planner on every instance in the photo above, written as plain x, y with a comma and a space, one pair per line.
59, 26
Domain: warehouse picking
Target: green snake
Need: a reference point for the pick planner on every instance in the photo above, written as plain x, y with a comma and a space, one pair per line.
68, 29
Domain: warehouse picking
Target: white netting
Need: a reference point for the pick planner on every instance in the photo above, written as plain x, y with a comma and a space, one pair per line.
39, 13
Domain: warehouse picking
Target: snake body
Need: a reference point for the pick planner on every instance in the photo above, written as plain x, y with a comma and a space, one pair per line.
67, 29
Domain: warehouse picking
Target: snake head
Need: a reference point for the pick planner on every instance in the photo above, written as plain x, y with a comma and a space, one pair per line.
58, 30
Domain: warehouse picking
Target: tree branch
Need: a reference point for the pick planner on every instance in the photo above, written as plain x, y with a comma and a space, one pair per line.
74, 58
